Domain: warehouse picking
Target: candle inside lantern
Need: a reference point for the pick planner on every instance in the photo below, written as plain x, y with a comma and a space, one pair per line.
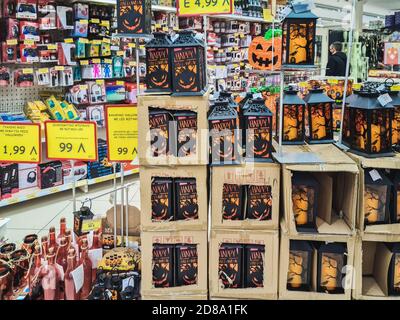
396, 280
300, 204
294, 278
371, 205
290, 124
318, 123
329, 273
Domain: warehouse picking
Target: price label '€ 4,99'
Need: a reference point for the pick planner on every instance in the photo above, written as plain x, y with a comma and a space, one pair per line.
204, 7
20, 142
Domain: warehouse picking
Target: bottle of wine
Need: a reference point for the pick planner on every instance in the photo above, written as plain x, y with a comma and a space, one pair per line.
50, 277
63, 227
70, 292
45, 247
87, 270
52, 239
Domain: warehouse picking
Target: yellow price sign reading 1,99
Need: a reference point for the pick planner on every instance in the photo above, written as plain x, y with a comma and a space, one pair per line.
122, 132
204, 7
71, 140
20, 142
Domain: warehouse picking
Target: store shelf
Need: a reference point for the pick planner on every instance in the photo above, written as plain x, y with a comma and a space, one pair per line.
163, 8
238, 17
111, 176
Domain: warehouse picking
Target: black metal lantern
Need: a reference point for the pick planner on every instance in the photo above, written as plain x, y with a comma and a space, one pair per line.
395, 198
188, 65
332, 257
300, 262
395, 96
305, 191
320, 116
298, 41
224, 134
134, 18
258, 126
367, 125
158, 66
377, 188
293, 122
393, 282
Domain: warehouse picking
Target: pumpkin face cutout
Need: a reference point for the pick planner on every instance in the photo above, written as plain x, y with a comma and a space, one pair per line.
158, 76
232, 202
186, 264
260, 53
162, 266
186, 78
130, 16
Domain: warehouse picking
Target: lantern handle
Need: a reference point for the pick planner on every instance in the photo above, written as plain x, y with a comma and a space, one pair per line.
389, 82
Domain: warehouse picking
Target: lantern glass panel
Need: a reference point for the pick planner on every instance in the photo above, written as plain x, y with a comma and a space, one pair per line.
360, 136
321, 121
293, 123
346, 136
396, 273
375, 203
380, 131
299, 268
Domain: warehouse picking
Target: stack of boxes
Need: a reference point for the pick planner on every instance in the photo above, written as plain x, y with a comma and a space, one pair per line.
174, 196
101, 167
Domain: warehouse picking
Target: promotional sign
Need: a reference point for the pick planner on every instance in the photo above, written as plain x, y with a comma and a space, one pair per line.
71, 140
122, 132
20, 142
392, 56
204, 7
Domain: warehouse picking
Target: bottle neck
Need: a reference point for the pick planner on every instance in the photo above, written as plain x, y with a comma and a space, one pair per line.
38, 260
63, 228
52, 238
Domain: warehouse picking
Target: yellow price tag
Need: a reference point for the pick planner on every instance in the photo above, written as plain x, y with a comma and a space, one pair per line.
83, 40
71, 140
122, 133
132, 63
52, 46
120, 83
95, 20
69, 40
175, 28
59, 68
200, 7
12, 42
142, 46
83, 21
96, 42
157, 26
165, 29
333, 81
20, 142
27, 70
106, 40
100, 81
357, 86
131, 45
84, 62
108, 60
105, 23
96, 60
120, 53
83, 87
90, 225
303, 84
396, 87
43, 70
29, 42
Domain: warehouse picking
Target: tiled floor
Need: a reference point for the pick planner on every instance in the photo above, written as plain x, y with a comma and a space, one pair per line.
38, 215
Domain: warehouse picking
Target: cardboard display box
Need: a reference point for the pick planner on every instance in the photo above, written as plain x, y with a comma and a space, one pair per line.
220, 264
372, 261
243, 178
286, 294
148, 239
197, 104
376, 163
337, 178
175, 297
147, 174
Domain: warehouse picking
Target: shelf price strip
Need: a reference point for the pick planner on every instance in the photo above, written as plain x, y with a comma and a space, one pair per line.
122, 132
20, 142
71, 140
204, 7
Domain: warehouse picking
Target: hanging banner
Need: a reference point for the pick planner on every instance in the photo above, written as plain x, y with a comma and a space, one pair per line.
122, 132
71, 140
134, 18
203, 7
20, 142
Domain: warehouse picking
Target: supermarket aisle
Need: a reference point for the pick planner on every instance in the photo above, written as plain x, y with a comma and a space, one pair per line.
37, 216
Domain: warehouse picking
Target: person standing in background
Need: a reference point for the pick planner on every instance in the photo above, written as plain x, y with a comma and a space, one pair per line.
337, 61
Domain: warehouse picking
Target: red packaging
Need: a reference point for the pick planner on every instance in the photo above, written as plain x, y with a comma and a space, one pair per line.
11, 27
9, 52
29, 31
9, 8
22, 79
131, 92
28, 53
4, 76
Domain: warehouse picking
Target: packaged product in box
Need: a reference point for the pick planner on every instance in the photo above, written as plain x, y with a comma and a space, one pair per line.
102, 167
96, 113
79, 172
27, 176
246, 196
26, 9
50, 174
178, 260
174, 198
65, 19
8, 180
173, 130
243, 264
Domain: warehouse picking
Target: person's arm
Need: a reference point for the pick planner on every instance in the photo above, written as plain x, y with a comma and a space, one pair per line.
330, 67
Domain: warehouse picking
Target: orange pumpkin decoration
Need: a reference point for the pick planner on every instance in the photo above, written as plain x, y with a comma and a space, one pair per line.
260, 53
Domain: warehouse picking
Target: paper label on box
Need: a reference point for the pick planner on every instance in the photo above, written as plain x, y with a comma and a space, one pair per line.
77, 276
384, 99
128, 282
375, 175
60, 270
95, 255
241, 176
172, 239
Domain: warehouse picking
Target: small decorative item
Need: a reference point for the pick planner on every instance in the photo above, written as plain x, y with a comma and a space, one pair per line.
134, 18
299, 269
158, 73
395, 96
186, 133
367, 125
159, 132
320, 116
187, 207
304, 198
293, 122
332, 257
163, 265
81, 219
188, 65
259, 202
161, 199
394, 270
254, 265
377, 188
186, 264
298, 40
232, 202
230, 266
265, 53
258, 126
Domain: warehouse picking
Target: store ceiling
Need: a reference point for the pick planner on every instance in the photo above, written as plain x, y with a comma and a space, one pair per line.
387, 4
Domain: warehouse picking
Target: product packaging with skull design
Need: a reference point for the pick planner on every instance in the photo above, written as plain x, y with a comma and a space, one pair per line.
162, 199
163, 265
186, 266
159, 131
231, 265
259, 202
186, 132
254, 261
232, 202
187, 207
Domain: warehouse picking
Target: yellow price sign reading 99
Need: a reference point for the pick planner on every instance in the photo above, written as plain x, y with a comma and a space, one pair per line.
71, 140
20, 142
122, 132
204, 7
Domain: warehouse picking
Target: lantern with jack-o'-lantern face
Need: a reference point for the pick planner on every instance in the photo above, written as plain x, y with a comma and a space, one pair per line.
158, 67
298, 40
134, 17
188, 65
393, 283
265, 54
299, 268
320, 116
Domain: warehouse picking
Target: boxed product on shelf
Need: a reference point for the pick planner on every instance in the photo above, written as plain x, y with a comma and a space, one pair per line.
5, 76
316, 267
377, 272
9, 52
102, 167
96, 113
66, 54
65, 18
50, 174
97, 91
27, 176
81, 10
26, 9
115, 91
246, 196
174, 198
79, 172
243, 264
23, 78
320, 196
179, 263
47, 16
8, 8
177, 296
28, 53
182, 142
8, 180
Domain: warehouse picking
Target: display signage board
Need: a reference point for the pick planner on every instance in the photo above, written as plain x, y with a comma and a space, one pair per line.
20, 142
71, 140
122, 132
204, 7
